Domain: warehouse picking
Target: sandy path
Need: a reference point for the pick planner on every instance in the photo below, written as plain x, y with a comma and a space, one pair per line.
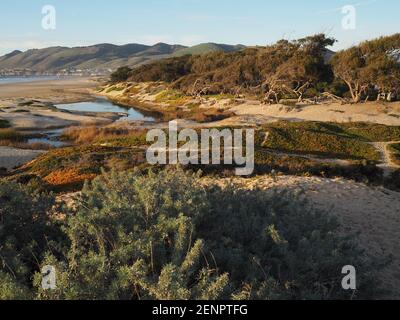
387, 114
375, 212
11, 158
388, 165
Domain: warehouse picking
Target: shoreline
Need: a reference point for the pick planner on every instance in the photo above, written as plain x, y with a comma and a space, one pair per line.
67, 90
31, 105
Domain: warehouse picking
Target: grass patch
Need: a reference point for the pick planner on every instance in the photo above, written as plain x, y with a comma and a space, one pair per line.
125, 150
372, 132
25, 145
10, 134
320, 139
173, 98
115, 88
26, 103
113, 136
67, 169
21, 111
4, 124
221, 96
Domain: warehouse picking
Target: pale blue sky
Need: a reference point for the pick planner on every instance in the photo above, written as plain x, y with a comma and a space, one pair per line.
249, 22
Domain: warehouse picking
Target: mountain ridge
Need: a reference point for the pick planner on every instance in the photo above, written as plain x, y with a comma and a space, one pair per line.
103, 57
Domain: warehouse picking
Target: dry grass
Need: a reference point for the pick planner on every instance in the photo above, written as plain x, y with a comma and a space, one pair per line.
83, 135
68, 176
10, 134
14, 139
25, 145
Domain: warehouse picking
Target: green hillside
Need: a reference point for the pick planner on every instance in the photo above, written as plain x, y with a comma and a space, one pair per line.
208, 48
101, 56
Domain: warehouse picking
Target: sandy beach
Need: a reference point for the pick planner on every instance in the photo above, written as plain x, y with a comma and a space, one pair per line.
374, 112
64, 90
29, 106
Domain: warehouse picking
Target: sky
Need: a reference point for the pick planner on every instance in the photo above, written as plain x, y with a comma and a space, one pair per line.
189, 22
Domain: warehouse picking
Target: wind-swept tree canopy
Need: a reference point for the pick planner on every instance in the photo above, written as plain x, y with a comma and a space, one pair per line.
287, 67
371, 64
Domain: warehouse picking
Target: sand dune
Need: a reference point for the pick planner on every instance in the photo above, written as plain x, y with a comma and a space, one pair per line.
374, 112
374, 212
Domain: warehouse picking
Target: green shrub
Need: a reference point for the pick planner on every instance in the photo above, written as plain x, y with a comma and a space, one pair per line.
10, 134
121, 74
321, 139
4, 124
25, 235
165, 236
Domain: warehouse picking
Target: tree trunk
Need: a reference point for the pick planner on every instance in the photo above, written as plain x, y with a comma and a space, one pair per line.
354, 91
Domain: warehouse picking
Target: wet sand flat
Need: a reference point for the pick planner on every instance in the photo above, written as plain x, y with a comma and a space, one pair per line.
11, 158
61, 90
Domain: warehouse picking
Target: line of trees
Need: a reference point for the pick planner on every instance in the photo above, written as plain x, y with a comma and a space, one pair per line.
299, 69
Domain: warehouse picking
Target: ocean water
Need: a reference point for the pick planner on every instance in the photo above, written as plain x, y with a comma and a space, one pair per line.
8, 80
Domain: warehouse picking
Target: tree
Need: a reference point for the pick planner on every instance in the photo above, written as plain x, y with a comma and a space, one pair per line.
369, 65
307, 66
349, 66
121, 74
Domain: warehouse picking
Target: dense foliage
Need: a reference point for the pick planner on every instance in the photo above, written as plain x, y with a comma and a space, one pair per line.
166, 236
297, 69
373, 67
26, 233
294, 65
121, 74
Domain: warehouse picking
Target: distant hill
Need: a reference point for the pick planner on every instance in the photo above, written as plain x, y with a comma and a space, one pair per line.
208, 48
101, 57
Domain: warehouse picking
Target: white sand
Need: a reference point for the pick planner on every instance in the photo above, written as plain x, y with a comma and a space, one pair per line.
387, 114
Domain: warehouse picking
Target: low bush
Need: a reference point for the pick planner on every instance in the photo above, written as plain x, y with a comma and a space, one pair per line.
121, 74
320, 139
4, 124
26, 233
166, 236
10, 134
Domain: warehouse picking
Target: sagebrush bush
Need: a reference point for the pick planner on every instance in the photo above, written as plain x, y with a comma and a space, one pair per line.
167, 236
26, 233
